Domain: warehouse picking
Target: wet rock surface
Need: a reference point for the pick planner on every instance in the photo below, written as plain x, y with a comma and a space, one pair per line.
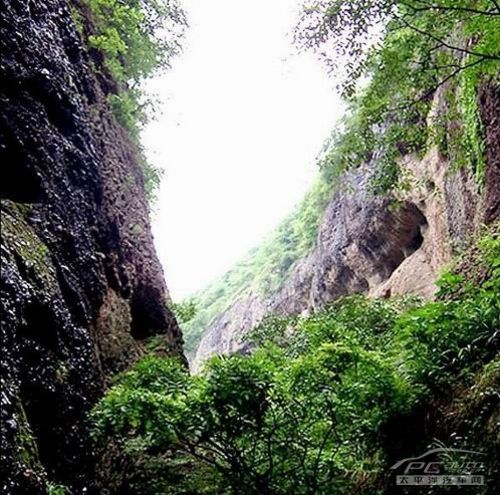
81, 285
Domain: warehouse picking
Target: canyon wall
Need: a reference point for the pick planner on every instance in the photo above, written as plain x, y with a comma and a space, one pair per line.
81, 285
379, 246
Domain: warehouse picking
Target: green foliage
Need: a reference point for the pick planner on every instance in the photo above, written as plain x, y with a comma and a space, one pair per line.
127, 111
146, 398
77, 17
359, 31
407, 50
489, 249
55, 489
303, 414
461, 136
184, 311
152, 176
481, 400
137, 36
482, 268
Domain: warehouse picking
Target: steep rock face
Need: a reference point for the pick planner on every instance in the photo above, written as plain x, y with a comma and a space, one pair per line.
489, 98
375, 246
81, 285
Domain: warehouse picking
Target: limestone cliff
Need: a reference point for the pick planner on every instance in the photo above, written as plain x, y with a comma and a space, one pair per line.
81, 286
379, 246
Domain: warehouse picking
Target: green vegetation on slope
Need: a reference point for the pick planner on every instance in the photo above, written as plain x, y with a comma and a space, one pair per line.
137, 38
308, 411
264, 268
388, 118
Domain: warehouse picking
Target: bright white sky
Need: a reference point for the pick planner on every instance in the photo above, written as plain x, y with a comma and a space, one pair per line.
243, 119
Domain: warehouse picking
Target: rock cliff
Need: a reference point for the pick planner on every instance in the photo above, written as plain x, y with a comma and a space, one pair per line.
81, 285
379, 246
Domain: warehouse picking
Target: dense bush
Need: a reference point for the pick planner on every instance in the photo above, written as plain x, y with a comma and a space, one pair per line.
303, 414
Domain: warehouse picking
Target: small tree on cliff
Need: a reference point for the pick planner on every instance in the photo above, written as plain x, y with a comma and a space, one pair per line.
390, 57
443, 36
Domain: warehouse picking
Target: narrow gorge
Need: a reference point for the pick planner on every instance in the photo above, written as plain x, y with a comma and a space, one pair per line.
363, 333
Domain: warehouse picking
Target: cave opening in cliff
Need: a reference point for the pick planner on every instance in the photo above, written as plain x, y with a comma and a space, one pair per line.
147, 312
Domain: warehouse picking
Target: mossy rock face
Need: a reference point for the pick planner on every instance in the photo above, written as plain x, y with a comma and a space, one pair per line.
28, 249
75, 226
26, 457
23, 249
472, 419
50, 370
479, 407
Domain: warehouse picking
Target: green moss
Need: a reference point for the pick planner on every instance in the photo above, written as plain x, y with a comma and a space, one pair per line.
61, 371
27, 451
22, 239
56, 489
136, 229
77, 17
